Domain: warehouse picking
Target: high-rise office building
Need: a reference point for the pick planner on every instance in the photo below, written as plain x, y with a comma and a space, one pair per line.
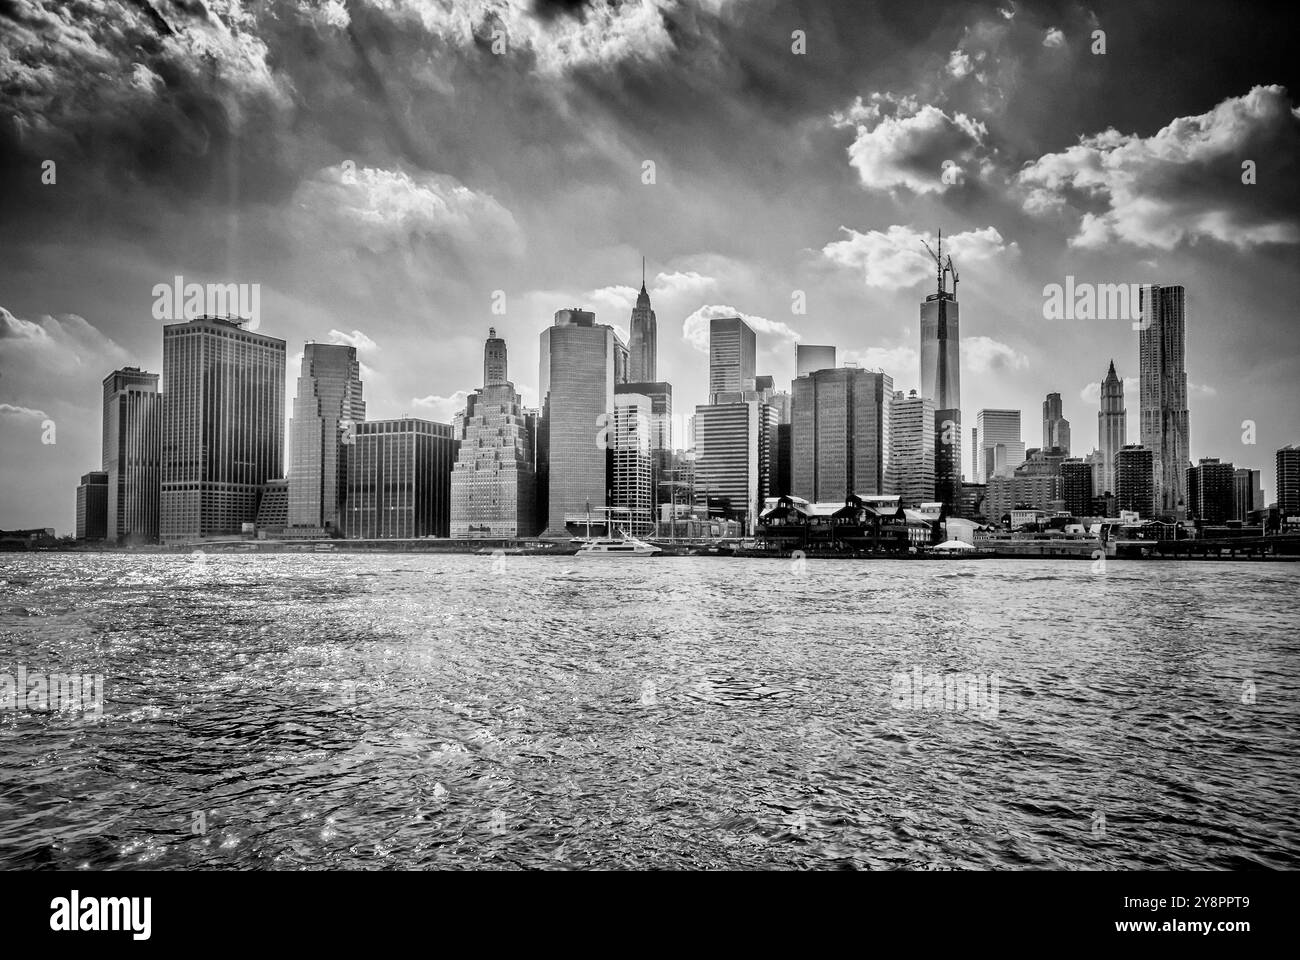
1076, 486
494, 481
1056, 429
92, 506
223, 425
729, 453
643, 339
1094, 459
809, 358
911, 454
660, 428
1247, 493
732, 350
1134, 489
1163, 387
399, 479
994, 429
325, 411
661, 410
1288, 481
1210, 490
941, 379
579, 367
1112, 426
840, 429
632, 496
132, 454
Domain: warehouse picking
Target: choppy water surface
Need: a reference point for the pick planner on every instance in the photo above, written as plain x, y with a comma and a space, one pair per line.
409, 711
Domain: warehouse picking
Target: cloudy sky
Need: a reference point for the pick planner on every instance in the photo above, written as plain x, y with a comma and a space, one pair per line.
382, 167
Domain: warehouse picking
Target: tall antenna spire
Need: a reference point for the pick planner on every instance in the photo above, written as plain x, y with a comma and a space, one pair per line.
643, 273
939, 260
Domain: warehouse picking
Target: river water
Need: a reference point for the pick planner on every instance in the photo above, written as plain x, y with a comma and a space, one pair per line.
421, 711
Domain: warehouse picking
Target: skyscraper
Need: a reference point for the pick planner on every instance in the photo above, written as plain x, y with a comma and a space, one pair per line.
132, 454
399, 479
994, 429
494, 482
1210, 490
1076, 486
223, 425
1246, 493
840, 434
729, 441
911, 454
1056, 429
643, 338
1288, 481
809, 358
579, 366
941, 378
632, 494
1163, 386
1112, 426
732, 348
325, 411
1134, 489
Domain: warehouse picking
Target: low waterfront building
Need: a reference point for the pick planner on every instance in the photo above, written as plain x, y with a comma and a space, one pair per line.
92, 506
273, 507
873, 524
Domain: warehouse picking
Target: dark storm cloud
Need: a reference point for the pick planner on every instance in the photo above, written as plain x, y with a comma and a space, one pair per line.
550, 9
384, 167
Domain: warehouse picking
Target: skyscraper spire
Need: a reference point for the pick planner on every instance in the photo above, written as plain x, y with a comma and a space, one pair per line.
643, 337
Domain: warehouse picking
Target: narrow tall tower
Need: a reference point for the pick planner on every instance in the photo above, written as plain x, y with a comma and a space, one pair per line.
941, 376
328, 401
494, 360
643, 338
1056, 429
1112, 426
1163, 381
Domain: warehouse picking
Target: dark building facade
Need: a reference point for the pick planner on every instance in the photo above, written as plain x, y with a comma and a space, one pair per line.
1288, 481
1134, 487
92, 506
1076, 486
223, 426
132, 454
840, 434
399, 480
1210, 491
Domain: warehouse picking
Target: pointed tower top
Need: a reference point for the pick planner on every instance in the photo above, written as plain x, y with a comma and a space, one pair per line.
1110, 374
643, 274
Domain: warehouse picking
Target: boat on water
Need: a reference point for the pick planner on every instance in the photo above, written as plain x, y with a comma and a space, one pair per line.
621, 547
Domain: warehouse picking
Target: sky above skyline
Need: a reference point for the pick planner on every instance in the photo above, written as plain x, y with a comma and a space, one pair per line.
383, 167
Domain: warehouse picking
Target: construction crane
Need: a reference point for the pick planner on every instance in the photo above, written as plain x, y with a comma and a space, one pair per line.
942, 267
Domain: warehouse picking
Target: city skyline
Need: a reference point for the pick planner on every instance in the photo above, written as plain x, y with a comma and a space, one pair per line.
621, 366
391, 225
